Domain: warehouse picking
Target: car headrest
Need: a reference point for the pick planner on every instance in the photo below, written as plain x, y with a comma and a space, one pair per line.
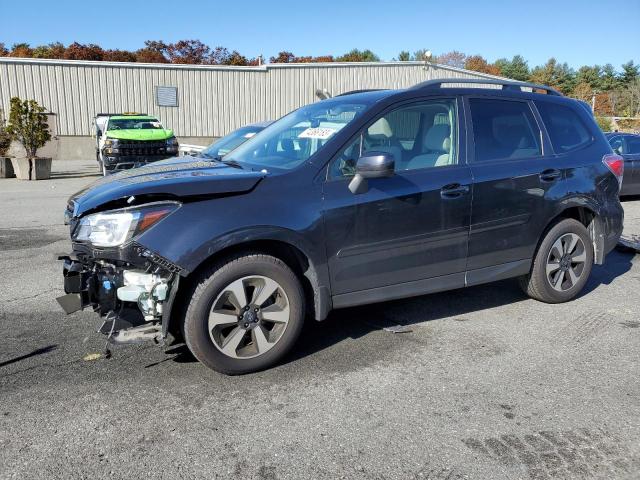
437, 138
380, 128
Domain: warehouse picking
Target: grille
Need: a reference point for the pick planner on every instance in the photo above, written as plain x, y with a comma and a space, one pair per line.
142, 147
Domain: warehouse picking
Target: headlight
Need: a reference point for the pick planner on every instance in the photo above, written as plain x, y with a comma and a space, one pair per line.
172, 142
111, 229
111, 142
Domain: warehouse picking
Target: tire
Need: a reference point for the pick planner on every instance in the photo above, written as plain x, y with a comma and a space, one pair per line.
561, 268
216, 298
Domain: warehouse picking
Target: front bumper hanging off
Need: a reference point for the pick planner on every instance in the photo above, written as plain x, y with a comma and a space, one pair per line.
135, 303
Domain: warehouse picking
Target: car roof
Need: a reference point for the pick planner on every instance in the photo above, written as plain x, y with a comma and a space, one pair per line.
467, 86
264, 124
132, 117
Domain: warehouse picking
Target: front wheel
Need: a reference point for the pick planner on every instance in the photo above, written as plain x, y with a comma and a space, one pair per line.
245, 314
562, 264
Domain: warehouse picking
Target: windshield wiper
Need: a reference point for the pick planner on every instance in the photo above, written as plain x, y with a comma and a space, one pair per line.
231, 163
220, 159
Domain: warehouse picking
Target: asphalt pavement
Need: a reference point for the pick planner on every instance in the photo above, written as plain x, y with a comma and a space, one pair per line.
484, 382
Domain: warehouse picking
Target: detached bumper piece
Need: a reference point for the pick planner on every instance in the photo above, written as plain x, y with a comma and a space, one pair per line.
629, 243
134, 302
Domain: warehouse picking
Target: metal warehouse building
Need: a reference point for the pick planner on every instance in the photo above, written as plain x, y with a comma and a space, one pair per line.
199, 102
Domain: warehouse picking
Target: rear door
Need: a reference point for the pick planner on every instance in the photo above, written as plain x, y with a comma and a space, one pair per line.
513, 174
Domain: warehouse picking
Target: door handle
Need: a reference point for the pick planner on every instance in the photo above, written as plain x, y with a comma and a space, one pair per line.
550, 175
454, 190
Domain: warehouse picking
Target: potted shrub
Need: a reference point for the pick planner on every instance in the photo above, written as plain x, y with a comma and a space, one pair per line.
6, 169
28, 126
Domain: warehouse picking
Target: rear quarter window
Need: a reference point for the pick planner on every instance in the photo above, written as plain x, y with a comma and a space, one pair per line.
567, 131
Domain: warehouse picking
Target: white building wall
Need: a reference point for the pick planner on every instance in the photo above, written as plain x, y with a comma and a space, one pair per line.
213, 100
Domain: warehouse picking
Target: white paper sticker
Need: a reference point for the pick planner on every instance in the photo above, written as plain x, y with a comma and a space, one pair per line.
249, 135
319, 133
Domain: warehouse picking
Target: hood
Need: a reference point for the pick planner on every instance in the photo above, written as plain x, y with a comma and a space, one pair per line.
180, 178
141, 134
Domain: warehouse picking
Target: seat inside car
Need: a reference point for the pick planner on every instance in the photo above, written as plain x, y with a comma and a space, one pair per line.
436, 147
379, 137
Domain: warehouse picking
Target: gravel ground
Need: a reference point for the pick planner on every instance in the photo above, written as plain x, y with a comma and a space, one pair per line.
487, 384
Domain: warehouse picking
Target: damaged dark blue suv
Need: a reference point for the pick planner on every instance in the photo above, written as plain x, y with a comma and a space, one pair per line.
362, 198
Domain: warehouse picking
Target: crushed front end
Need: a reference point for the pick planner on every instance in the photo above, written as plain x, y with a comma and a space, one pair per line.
129, 286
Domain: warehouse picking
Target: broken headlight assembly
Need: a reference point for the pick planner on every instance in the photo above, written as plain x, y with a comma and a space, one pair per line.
115, 227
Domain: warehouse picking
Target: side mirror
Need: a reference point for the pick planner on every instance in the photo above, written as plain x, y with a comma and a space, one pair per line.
371, 165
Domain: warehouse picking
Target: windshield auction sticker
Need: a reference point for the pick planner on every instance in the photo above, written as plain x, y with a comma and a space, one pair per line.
319, 133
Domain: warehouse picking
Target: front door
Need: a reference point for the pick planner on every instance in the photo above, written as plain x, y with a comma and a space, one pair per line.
409, 227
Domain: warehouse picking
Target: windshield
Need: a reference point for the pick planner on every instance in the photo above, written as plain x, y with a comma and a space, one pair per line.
229, 142
291, 140
134, 124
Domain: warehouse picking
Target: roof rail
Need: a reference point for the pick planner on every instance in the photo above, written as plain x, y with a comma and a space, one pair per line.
506, 84
364, 90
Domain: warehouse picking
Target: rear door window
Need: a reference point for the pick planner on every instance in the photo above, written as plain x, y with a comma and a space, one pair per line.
566, 129
504, 129
633, 145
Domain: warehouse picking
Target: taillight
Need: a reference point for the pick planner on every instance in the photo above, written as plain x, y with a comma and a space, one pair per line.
615, 163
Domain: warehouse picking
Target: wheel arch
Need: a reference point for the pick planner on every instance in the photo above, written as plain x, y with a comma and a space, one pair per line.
294, 254
588, 213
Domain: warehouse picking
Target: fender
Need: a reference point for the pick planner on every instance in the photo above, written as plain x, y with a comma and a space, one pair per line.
596, 228
317, 271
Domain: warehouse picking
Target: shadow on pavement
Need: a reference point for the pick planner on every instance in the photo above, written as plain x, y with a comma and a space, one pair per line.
461, 304
39, 351
617, 263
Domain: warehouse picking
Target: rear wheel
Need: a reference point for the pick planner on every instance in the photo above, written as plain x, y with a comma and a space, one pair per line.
562, 264
245, 314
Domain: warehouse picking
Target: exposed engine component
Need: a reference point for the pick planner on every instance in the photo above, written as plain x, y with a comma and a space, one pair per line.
148, 290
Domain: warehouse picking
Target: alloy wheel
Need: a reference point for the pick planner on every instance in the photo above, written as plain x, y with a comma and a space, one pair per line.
566, 262
249, 317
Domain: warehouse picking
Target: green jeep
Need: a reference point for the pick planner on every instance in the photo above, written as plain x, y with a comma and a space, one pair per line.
131, 140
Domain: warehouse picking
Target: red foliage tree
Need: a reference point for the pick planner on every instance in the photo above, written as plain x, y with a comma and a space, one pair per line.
478, 63
191, 52
78, 51
21, 50
283, 57
119, 56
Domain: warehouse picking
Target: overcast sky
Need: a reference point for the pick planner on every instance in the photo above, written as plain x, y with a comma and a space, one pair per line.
577, 32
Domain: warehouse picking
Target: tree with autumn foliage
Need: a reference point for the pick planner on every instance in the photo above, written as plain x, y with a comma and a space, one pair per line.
453, 59
478, 63
79, 51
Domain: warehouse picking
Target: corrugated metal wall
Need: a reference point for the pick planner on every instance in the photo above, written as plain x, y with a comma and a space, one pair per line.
213, 100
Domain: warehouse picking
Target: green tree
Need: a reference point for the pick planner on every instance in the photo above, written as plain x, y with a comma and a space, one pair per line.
404, 56
52, 50
5, 136
356, 55
517, 68
590, 75
554, 74
28, 126
630, 73
609, 79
